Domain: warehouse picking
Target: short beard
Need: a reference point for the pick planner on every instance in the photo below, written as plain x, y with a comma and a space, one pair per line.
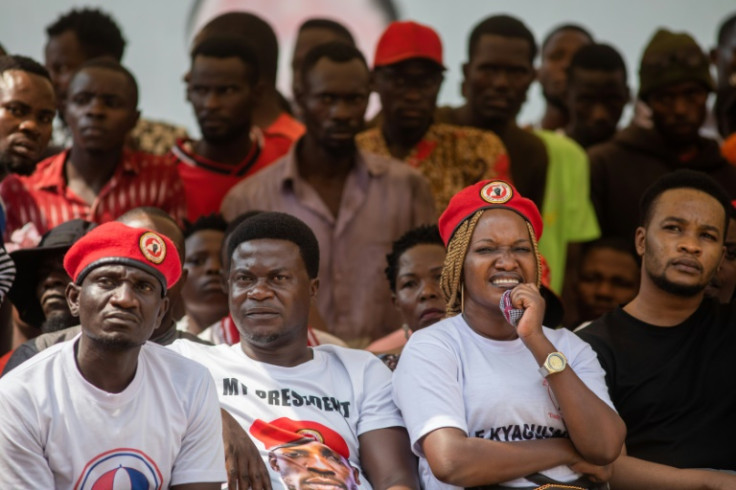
683, 291
59, 321
112, 344
261, 340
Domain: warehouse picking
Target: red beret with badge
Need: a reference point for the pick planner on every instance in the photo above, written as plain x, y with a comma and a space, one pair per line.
114, 243
487, 194
285, 430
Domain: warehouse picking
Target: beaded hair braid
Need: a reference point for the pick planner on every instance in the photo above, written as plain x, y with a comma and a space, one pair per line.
457, 249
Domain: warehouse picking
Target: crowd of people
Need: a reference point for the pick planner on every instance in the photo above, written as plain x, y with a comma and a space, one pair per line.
438, 297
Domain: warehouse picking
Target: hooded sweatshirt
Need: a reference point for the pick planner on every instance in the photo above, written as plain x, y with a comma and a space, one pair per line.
624, 167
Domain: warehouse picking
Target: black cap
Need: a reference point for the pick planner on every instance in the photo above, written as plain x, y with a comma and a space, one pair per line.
55, 241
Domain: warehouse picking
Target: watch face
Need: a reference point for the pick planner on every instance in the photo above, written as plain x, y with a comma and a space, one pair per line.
556, 363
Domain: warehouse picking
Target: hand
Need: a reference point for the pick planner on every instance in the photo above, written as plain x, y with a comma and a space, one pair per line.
526, 296
719, 480
245, 467
598, 474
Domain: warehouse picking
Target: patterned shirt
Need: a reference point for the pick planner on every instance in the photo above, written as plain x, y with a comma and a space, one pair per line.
140, 179
451, 157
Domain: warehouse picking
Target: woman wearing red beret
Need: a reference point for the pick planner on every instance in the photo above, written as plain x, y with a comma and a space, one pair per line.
490, 404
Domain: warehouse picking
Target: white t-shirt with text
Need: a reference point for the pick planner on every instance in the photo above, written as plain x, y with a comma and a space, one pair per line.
345, 390
450, 376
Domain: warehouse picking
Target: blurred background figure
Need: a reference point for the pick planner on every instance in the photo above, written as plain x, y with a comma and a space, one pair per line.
596, 94
203, 293
608, 277
413, 273
557, 51
723, 283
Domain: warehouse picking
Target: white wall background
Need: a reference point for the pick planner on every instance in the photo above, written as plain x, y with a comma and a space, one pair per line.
157, 37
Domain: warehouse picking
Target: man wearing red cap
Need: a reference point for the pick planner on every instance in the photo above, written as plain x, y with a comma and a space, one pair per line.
108, 408
407, 74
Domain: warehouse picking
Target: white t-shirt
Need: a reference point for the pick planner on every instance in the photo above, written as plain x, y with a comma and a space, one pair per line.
59, 431
449, 376
344, 390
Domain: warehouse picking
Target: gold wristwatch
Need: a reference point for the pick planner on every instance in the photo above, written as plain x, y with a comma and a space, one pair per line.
555, 362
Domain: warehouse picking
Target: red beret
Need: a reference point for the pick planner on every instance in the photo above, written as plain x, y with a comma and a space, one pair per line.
116, 243
285, 430
403, 41
487, 194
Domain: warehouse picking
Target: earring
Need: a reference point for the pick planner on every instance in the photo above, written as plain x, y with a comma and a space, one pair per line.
462, 298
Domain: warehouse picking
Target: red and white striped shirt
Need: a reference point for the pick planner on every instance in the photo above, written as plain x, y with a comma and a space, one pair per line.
141, 179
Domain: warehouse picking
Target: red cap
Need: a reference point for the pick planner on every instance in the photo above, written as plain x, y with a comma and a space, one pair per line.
116, 243
487, 194
285, 430
403, 41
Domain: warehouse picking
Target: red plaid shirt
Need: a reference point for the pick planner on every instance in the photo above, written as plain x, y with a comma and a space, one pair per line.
141, 179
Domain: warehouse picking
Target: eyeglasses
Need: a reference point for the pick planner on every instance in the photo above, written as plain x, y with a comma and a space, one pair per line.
396, 80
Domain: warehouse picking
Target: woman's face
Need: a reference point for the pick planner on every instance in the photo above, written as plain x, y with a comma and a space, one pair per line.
500, 257
418, 294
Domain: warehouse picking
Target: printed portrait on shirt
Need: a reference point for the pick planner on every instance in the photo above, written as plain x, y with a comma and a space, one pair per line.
306, 454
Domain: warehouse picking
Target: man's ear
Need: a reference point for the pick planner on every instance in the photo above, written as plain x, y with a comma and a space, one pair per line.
258, 89
299, 96
640, 240
72, 298
134, 120
186, 79
465, 67
313, 287
535, 73
163, 309
273, 462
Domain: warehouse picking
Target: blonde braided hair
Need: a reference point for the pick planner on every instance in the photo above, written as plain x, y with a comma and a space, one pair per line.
451, 281
452, 269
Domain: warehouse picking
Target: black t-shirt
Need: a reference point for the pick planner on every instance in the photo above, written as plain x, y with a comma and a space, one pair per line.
675, 387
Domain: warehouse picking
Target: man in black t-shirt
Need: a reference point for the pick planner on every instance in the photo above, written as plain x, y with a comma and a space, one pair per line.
668, 354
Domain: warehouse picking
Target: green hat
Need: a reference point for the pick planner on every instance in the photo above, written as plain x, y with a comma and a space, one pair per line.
672, 57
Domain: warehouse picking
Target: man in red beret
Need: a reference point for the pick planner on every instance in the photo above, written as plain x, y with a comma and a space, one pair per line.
109, 408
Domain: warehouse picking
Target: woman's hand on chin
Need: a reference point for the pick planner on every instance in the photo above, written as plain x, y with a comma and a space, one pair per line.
527, 297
